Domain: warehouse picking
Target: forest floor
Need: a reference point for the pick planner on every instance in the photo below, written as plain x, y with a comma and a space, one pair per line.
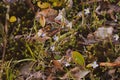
59, 40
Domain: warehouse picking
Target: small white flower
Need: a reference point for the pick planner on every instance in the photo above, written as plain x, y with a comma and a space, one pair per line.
43, 34
40, 32
69, 25
64, 62
115, 20
55, 38
87, 11
116, 37
94, 64
79, 14
52, 48
67, 64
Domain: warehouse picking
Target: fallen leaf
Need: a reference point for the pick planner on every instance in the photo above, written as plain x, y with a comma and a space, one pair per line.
117, 60
103, 32
62, 17
76, 73
78, 58
112, 72
43, 5
46, 12
36, 75
49, 15
42, 21
57, 64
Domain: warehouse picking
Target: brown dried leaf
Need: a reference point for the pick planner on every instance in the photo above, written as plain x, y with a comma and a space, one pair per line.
37, 75
103, 32
111, 72
41, 39
57, 64
47, 13
76, 73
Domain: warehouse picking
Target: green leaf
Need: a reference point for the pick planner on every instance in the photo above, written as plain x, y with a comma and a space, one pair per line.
78, 58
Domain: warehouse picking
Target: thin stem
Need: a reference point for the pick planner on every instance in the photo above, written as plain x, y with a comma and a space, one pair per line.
5, 33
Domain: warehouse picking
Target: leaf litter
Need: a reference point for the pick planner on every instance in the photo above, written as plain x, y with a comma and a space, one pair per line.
75, 47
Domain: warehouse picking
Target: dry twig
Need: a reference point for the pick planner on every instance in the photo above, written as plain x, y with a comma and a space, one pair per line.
114, 64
